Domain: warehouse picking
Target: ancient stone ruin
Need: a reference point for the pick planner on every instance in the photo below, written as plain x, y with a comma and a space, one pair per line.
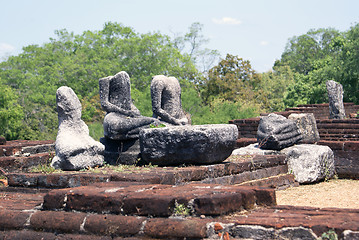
277, 132
307, 126
123, 121
204, 200
175, 144
166, 100
200, 144
335, 96
75, 149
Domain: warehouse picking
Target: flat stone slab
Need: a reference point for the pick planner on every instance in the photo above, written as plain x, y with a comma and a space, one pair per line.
197, 144
159, 200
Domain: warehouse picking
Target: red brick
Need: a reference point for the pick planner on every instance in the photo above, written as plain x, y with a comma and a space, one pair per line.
218, 204
26, 234
351, 146
176, 228
113, 225
13, 219
334, 145
65, 222
55, 199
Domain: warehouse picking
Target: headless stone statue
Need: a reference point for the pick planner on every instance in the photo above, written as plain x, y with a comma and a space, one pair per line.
166, 100
123, 120
75, 149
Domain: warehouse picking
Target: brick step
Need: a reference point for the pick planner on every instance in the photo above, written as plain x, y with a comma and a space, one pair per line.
156, 175
242, 142
279, 182
339, 137
20, 147
158, 200
23, 218
337, 126
20, 164
338, 131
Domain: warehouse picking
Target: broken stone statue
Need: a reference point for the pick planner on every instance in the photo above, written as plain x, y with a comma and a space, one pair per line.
198, 144
277, 132
75, 149
166, 100
307, 127
335, 95
123, 120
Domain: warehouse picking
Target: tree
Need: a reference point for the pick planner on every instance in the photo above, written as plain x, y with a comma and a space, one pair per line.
191, 44
232, 79
302, 51
274, 87
11, 113
79, 61
348, 63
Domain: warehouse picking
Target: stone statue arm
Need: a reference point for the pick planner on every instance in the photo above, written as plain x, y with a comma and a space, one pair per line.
156, 95
108, 106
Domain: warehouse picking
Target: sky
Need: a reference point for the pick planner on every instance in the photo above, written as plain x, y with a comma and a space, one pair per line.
255, 30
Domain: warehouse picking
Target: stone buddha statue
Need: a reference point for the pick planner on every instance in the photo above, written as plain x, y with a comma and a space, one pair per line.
123, 120
166, 100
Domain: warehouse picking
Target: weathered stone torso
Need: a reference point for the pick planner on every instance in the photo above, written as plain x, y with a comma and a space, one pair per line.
120, 93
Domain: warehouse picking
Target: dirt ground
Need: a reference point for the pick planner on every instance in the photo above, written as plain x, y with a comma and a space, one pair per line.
339, 193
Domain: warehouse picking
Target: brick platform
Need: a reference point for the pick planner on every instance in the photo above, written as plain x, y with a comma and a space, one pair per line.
125, 198
140, 203
21, 217
234, 172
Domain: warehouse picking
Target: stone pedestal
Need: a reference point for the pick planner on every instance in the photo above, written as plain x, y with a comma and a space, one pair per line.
118, 152
198, 144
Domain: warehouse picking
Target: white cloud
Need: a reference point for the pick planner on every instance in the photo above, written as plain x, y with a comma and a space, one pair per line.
6, 48
264, 43
227, 21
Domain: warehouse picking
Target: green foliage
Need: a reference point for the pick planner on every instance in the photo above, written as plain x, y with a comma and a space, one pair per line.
319, 56
11, 113
231, 79
348, 63
330, 235
301, 51
96, 130
79, 61
181, 209
153, 125
274, 87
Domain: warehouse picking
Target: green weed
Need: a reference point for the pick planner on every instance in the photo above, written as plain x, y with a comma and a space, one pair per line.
181, 209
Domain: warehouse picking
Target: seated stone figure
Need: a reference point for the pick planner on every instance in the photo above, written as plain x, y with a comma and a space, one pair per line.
75, 149
166, 100
123, 120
